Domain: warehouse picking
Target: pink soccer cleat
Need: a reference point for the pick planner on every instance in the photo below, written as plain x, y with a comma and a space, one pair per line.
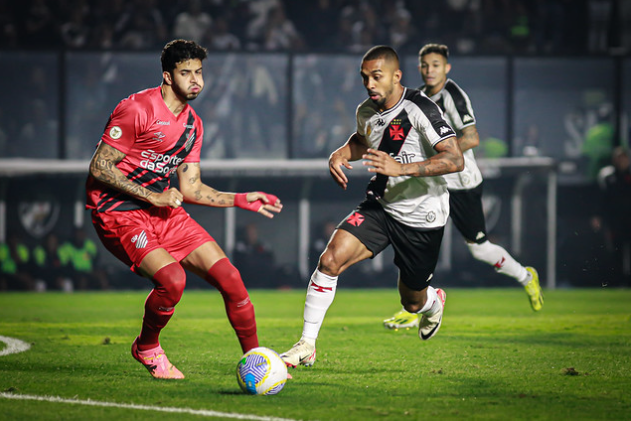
156, 362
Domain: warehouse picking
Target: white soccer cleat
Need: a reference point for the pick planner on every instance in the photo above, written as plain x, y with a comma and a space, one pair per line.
302, 353
430, 324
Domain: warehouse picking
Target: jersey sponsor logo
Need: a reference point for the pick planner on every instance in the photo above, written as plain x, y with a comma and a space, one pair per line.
116, 132
431, 216
355, 219
159, 163
163, 123
500, 263
404, 158
467, 118
188, 126
444, 130
140, 240
319, 288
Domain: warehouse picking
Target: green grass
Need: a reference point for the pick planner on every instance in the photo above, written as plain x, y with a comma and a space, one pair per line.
494, 359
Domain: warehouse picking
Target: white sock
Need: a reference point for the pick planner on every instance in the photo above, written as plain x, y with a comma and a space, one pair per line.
499, 258
432, 305
320, 295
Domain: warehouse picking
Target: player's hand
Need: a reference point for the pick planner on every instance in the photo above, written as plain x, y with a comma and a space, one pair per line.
382, 163
264, 203
336, 162
171, 197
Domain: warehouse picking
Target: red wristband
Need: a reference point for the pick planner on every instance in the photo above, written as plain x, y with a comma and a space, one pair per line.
241, 201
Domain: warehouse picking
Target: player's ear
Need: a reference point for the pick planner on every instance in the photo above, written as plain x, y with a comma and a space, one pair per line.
398, 74
167, 78
447, 68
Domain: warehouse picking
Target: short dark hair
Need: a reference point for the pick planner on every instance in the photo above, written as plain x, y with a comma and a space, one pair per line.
180, 50
381, 51
441, 49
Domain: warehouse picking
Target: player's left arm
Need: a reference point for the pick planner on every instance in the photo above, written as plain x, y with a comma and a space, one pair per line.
194, 191
448, 159
468, 138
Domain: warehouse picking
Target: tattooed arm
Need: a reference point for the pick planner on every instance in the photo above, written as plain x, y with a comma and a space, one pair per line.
195, 191
103, 168
469, 138
448, 159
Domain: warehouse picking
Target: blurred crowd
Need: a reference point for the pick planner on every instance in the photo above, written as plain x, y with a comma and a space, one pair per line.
51, 264
469, 26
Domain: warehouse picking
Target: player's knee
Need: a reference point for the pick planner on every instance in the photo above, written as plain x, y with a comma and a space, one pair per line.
227, 279
171, 281
329, 263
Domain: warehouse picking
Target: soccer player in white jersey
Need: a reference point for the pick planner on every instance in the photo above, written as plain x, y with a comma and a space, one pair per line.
465, 188
405, 141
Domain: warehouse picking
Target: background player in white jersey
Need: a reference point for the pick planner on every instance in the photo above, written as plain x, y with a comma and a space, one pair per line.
465, 188
404, 140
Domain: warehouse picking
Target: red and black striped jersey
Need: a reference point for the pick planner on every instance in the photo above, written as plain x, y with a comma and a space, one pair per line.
155, 142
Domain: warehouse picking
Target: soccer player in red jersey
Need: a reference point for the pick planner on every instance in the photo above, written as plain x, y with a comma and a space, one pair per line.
151, 135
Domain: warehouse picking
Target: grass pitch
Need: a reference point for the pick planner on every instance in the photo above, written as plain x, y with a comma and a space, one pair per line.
493, 359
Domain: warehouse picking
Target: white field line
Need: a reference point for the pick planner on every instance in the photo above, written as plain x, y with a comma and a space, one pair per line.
14, 346
202, 412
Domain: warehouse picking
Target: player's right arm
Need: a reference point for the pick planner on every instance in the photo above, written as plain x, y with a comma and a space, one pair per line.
103, 168
352, 150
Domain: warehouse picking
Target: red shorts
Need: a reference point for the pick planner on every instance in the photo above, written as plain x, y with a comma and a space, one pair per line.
131, 235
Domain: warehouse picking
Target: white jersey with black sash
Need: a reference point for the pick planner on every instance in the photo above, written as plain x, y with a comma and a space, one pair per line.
456, 106
408, 132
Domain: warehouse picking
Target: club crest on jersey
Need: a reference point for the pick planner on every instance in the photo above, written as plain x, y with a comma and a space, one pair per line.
116, 132
396, 131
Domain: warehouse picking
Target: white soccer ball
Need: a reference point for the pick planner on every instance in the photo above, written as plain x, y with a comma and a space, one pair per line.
261, 371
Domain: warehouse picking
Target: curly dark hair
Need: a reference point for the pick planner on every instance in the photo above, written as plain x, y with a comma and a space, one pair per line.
180, 50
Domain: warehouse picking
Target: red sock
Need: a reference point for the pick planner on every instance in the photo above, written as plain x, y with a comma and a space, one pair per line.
227, 279
169, 284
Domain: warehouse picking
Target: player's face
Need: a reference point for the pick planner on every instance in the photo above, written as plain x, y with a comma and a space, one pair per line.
381, 80
188, 80
434, 69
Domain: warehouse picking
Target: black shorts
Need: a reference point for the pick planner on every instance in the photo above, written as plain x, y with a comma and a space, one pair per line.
465, 210
415, 250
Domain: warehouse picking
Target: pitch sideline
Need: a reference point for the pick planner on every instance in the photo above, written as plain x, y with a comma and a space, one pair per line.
88, 402
14, 346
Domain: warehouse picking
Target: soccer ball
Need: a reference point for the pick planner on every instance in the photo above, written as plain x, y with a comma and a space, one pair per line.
261, 371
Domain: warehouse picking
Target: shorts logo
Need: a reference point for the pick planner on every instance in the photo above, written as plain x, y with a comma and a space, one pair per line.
479, 236
429, 278
355, 219
116, 132
140, 240
431, 216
